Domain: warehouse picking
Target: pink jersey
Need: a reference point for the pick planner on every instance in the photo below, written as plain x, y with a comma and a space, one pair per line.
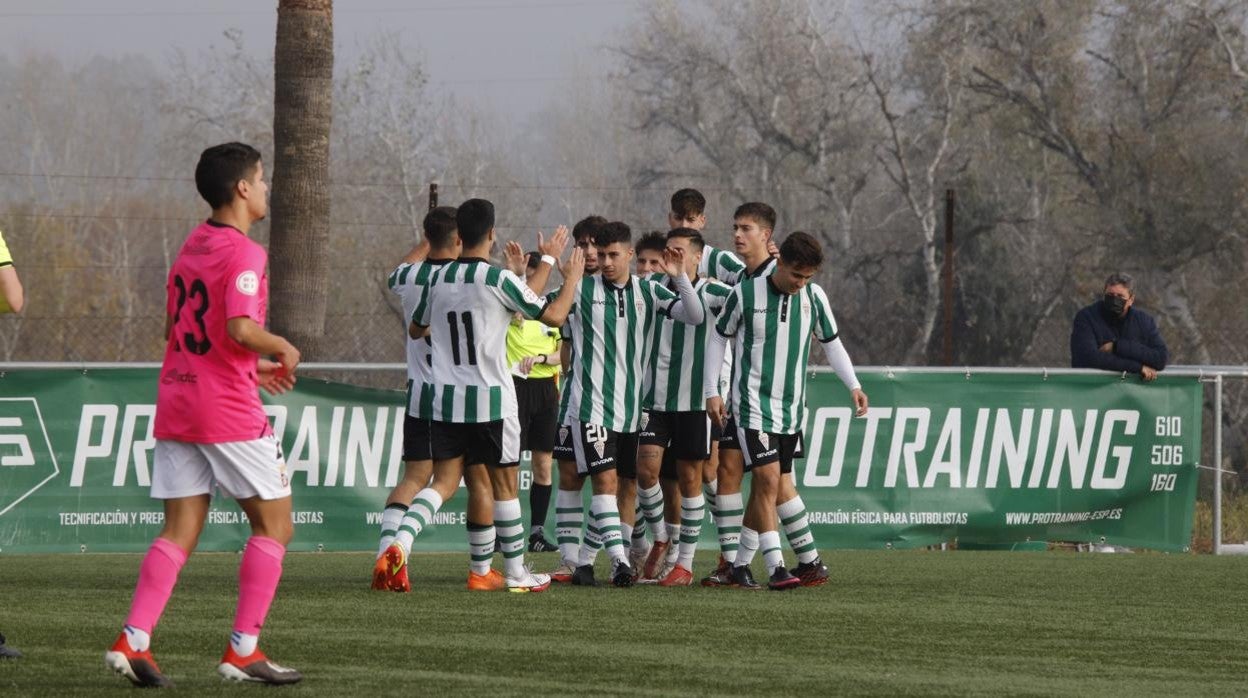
208, 390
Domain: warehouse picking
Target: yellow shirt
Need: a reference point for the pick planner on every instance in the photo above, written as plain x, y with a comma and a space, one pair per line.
6, 259
531, 338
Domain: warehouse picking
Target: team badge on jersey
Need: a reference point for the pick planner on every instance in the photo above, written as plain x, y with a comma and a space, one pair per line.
764, 440
645, 419
247, 283
563, 434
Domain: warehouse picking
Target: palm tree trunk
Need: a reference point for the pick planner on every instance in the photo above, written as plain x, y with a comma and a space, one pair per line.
302, 113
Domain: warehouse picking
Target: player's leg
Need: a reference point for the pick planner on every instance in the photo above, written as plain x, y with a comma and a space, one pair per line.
182, 477
669, 483
791, 511
654, 437
539, 502
766, 480
569, 507
598, 451
498, 446
691, 447
482, 535
710, 475
391, 570
539, 413
417, 469
626, 504
254, 472
761, 460
448, 470
730, 505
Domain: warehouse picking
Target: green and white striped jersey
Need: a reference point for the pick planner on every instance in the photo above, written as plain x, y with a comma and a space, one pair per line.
772, 332
610, 330
467, 308
408, 281
678, 354
720, 264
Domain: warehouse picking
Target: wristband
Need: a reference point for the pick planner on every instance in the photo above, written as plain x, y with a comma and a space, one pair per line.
549, 260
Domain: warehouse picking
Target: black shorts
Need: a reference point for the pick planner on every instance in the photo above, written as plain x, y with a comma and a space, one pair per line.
728, 435
537, 400
687, 435
596, 449
668, 469
563, 444
494, 443
765, 448
416, 439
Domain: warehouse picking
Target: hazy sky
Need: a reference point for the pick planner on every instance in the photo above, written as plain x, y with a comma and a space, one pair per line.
526, 48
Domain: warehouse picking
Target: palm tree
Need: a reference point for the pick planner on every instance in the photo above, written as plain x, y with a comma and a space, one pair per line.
302, 112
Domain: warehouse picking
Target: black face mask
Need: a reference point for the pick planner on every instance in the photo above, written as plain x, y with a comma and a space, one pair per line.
1116, 304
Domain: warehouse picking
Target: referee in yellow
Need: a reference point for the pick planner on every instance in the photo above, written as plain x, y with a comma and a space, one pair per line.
11, 301
533, 354
11, 296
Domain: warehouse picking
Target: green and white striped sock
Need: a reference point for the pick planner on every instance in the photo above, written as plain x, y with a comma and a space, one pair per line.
769, 543
569, 519
426, 504
480, 547
510, 528
651, 502
728, 523
797, 528
391, 519
691, 513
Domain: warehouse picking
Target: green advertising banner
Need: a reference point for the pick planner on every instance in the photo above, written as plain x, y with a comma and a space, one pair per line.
983, 459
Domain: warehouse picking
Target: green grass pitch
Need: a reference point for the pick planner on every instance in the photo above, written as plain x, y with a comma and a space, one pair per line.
889, 623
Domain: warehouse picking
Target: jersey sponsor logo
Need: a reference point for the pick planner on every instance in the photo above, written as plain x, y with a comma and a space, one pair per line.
173, 375
248, 283
529, 297
761, 311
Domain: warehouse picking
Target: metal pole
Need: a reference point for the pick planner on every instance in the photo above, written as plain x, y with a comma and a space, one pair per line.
948, 290
1217, 464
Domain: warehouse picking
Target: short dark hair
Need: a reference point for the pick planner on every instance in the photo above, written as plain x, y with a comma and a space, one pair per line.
687, 203
613, 232
474, 219
588, 227
533, 260
220, 168
654, 241
1119, 278
801, 250
763, 215
696, 241
439, 225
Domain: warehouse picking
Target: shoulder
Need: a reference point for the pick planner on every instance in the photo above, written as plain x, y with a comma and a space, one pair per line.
717, 288
247, 247
1143, 317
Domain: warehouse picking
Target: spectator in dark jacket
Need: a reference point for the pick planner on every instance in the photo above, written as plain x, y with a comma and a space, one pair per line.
1112, 335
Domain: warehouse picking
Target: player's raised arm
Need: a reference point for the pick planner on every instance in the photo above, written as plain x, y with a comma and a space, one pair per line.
688, 309
556, 311
551, 250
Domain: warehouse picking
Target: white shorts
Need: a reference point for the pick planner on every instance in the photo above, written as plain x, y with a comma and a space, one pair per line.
242, 469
